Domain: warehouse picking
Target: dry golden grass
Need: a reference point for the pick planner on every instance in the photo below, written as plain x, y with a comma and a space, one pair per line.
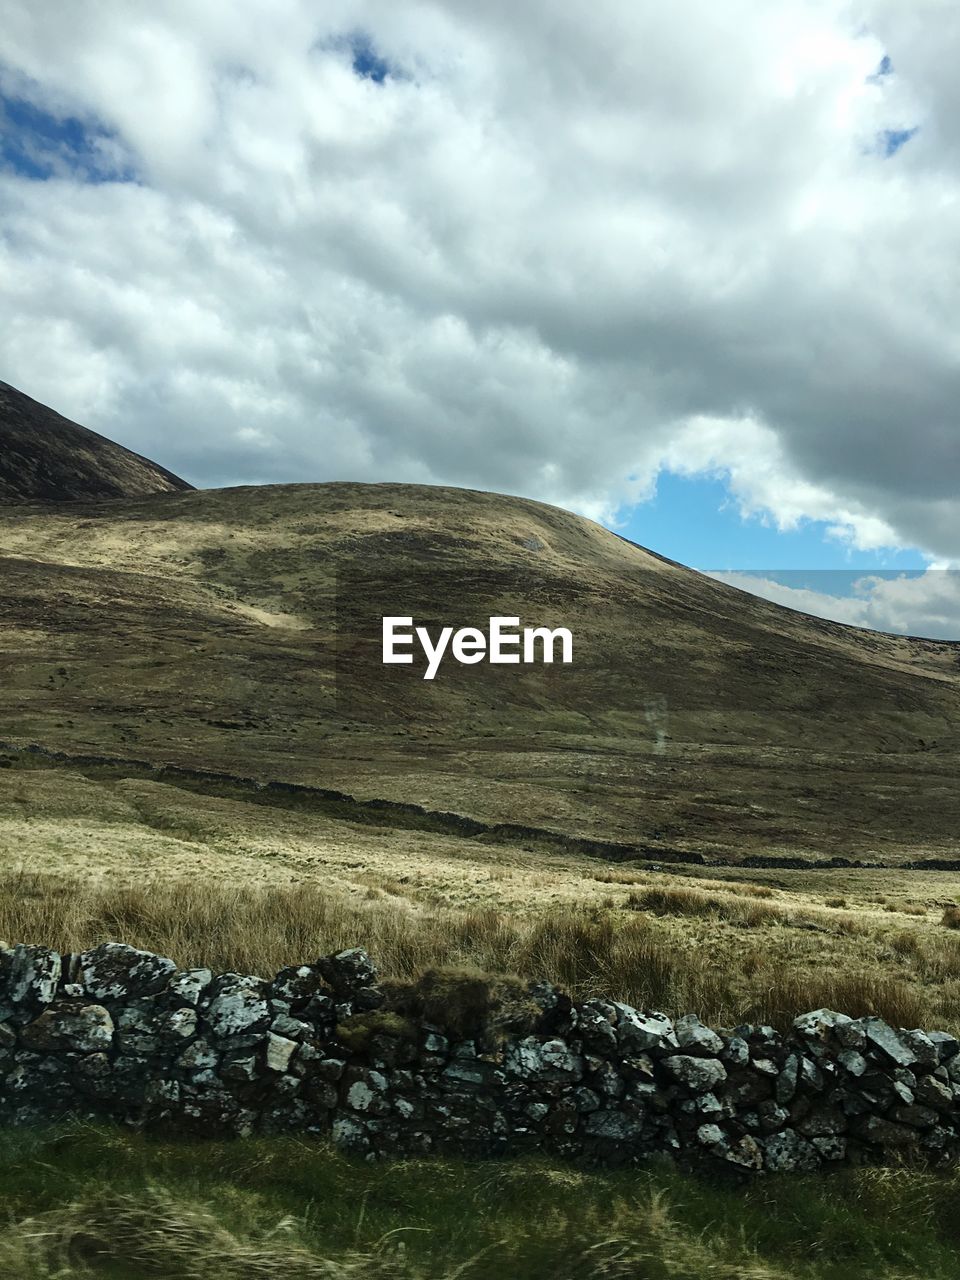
152, 864
694, 902
695, 963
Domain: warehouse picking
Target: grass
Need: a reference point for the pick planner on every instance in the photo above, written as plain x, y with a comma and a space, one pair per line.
694, 902
727, 958
96, 1202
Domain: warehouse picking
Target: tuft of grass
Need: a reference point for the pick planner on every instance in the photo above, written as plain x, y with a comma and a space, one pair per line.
684, 901
951, 917
858, 994
357, 1031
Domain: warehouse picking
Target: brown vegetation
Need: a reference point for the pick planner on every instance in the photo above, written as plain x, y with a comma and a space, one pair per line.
463, 961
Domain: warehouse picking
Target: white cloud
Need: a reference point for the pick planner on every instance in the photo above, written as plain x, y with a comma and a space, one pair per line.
927, 604
562, 246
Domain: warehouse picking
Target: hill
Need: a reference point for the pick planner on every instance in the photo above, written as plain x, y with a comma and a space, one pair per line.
46, 457
236, 631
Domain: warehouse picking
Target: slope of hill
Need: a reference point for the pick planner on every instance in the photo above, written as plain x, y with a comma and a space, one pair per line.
46, 457
237, 631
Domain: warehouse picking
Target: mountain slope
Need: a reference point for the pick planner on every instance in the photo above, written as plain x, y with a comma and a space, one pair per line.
238, 630
46, 457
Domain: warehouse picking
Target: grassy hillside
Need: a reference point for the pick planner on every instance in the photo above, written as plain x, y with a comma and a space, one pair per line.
237, 630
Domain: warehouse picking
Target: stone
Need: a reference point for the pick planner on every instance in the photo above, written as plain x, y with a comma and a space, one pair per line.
348, 971
637, 1032
819, 1025
611, 1125
235, 1053
178, 1024
833, 1147
297, 984
745, 1153
884, 1133
747, 1087
947, 1045
700, 1075
367, 1093
786, 1085
115, 971
279, 1052
710, 1135
198, 1057
788, 1152
71, 1028
925, 1051
136, 1031
852, 1061
811, 1077
236, 1004
932, 1092
606, 1079
850, 1035
694, 1037
349, 1134
596, 1024
822, 1122
708, 1104
188, 986
34, 974
240, 1066
291, 1028
882, 1036
546, 1060
737, 1052
771, 1118
765, 1066
915, 1116
469, 1073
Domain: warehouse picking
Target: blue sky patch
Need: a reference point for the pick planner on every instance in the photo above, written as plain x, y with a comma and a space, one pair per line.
366, 61
37, 144
891, 140
695, 520
884, 68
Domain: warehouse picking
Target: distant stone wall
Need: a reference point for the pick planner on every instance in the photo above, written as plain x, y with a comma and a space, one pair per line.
120, 1033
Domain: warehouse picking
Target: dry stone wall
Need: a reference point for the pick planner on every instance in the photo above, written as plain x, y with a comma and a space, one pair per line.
121, 1033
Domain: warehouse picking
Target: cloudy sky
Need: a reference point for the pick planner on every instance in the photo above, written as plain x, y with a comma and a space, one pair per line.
692, 269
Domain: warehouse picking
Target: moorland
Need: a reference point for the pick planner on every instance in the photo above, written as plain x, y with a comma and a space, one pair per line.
722, 806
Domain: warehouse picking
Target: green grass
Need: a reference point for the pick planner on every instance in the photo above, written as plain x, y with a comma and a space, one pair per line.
86, 1201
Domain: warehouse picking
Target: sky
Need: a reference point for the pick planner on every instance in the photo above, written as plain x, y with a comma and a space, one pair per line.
692, 269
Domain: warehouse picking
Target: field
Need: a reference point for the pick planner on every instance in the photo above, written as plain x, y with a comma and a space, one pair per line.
237, 885
653, 824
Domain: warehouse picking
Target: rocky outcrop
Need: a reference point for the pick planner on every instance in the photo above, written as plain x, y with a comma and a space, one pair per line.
120, 1033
